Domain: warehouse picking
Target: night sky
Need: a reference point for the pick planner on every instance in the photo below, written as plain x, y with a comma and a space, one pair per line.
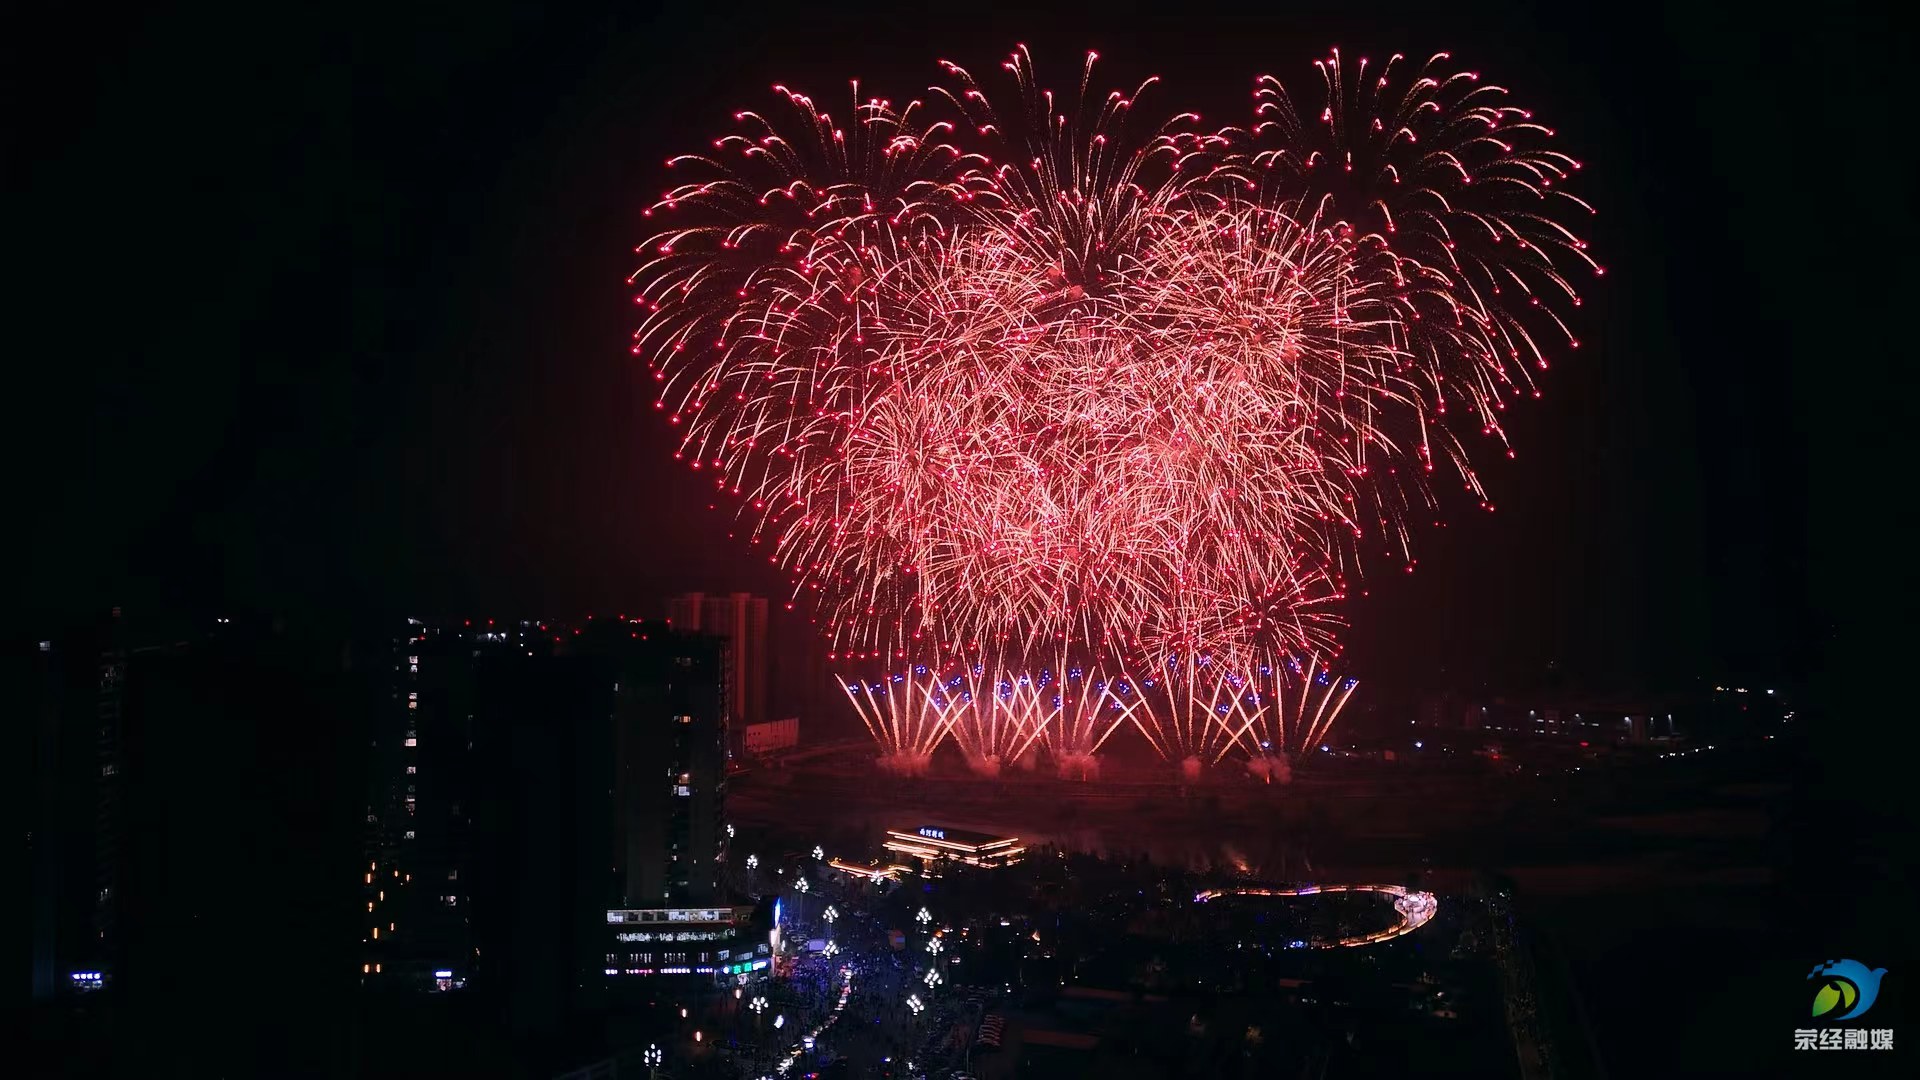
335, 318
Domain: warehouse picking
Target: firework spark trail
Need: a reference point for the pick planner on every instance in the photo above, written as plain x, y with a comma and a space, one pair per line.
900, 715
1191, 710
991, 713
1083, 714
1065, 386
1262, 719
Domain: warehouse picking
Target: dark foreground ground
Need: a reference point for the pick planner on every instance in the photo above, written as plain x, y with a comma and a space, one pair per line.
1672, 913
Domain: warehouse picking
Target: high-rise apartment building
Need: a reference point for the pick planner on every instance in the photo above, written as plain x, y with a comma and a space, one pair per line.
189, 853
417, 880
76, 824
741, 618
669, 718
528, 780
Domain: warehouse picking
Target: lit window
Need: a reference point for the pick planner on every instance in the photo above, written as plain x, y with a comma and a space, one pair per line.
409, 835
411, 769
411, 741
682, 789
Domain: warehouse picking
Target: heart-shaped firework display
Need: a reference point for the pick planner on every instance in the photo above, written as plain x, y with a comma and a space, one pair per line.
1058, 387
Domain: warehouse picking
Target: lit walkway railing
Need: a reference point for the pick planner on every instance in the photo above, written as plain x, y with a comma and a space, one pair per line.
1415, 909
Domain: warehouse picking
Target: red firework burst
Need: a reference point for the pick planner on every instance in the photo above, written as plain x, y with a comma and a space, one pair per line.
1056, 386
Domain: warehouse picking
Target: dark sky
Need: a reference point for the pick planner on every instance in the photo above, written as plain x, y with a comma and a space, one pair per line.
330, 317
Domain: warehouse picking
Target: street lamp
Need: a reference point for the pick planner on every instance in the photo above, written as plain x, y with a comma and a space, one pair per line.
933, 978
819, 852
652, 1059
753, 861
729, 830
801, 884
830, 914
758, 1005
832, 949
933, 946
924, 917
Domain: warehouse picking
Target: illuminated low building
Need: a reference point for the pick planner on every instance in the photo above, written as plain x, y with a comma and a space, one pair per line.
935, 844
724, 944
760, 740
875, 871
